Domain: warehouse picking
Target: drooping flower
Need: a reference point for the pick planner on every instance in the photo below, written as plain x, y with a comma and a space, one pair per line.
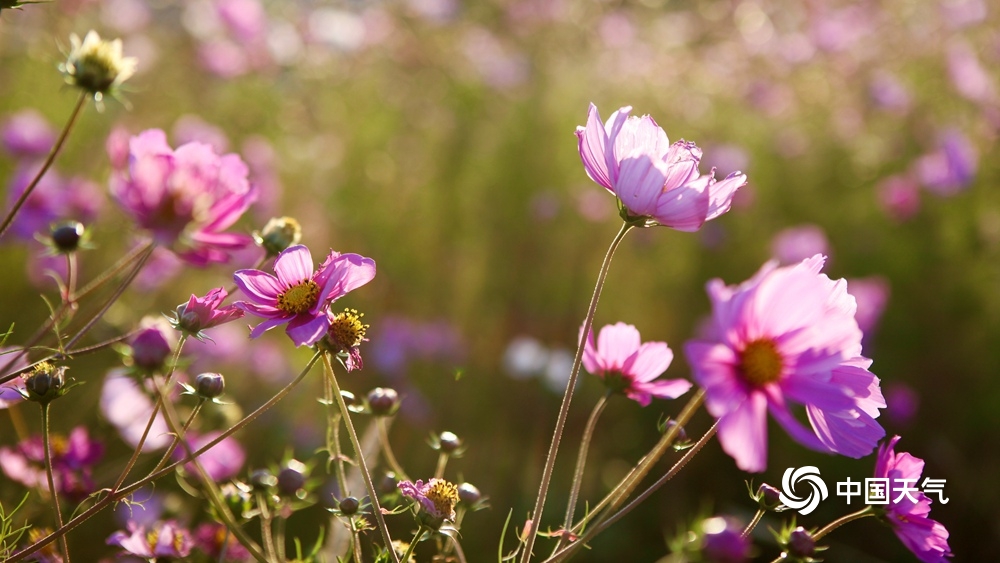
164, 539
186, 197
629, 366
907, 512
633, 159
298, 295
788, 335
436, 497
95, 65
345, 335
73, 458
201, 313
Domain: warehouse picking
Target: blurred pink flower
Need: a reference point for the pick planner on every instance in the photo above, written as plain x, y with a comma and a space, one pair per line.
907, 513
967, 74
9, 394
193, 129
871, 295
903, 403
787, 335
633, 159
214, 538
27, 134
161, 540
795, 244
899, 196
222, 462
951, 167
73, 458
54, 198
128, 409
629, 366
889, 93
300, 295
185, 197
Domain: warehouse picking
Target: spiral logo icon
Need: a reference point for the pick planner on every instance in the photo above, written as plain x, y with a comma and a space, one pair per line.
809, 475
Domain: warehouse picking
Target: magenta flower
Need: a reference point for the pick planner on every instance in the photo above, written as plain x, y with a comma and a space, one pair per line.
298, 295
27, 134
128, 409
951, 167
436, 497
221, 462
201, 313
907, 513
10, 391
186, 197
212, 538
165, 539
629, 366
73, 458
633, 159
787, 335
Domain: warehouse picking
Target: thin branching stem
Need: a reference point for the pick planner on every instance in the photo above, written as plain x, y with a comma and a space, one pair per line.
390, 458
863, 513
550, 458
581, 462
53, 493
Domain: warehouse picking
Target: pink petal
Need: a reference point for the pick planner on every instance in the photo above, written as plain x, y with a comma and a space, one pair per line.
347, 272
305, 329
267, 325
850, 433
640, 183
293, 266
615, 344
259, 286
795, 429
664, 388
720, 194
743, 433
591, 361
649, 361
683, 208
592, 142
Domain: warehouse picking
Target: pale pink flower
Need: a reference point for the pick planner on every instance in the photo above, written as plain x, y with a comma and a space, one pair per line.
787, 335
629, 366
633, 159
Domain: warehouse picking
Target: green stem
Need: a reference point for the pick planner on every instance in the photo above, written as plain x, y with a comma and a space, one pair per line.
174, 443
581, 462
208, 484
411, 547
753, 523
442, 463
617, 496
125, 491
383, 438
362, 464
265, 528
113, 271
45, 165
550, 458
71, 353
53, 493
333, 436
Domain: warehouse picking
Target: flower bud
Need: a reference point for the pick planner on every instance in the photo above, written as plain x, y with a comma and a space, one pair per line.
801, 543
768, 497
278, 234
209, 385
45, 382
469, 494
150, 349
449, 442
349, 506
66, 236
723, 541
383, 401
261, 480
95, 65
292, 478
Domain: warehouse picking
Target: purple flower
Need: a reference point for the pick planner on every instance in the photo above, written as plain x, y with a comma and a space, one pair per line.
899, 196
128, 409
437, 497
298, 295
951, 167
795, 244
223, 461
185, 197
629, 366
201, 313
9, 391
53, 198
723, 541
212, 537
787, 335
165, 539
907, 513
633, 159
27, 134
72, 460
871, 295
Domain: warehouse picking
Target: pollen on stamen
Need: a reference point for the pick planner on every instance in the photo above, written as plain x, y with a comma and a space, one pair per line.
299, 298
347, 330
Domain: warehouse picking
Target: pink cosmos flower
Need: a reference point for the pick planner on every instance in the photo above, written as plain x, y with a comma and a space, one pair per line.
201, 313
221, 462
298, 295
629, 366
787, 335
165, 539
27, 134
10, 390
907, 513
436, 497
633, 159
73, 458
214, 539
185, 197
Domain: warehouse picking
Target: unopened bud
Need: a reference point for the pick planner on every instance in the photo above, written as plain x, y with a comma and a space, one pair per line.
801, 543
449, 442
468, 493
278, 234
45, 382
383, 401
66, 235
349, 506
261, 480
150, 349
209, 385
292, 478
768, 497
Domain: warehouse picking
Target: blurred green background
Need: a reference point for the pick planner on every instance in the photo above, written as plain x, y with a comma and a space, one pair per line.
436, 137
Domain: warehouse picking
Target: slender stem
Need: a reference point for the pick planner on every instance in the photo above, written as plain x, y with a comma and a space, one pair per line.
113, 271
362, 464
581, 462
333, 436
356, 543
70, 353
176, 440
458, 549
550, 458
53, 493
617, 496
753, 523
207, 483
152, 418
125, 491
71, 275
411, 547
265, 528
279, 536
442, 463
390, 458
863, 513
45, 165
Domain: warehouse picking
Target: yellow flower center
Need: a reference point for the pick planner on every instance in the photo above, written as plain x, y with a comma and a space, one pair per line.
444, 495
152, 537
299, 298
347, 330
760, 363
